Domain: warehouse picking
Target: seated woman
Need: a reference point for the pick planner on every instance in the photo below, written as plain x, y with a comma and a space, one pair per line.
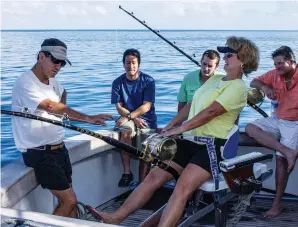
212, 113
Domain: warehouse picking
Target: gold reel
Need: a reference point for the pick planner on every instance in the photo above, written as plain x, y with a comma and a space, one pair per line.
255, 96
162, 147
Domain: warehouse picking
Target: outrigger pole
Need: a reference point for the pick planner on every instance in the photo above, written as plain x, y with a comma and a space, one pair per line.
258, 109
147, 157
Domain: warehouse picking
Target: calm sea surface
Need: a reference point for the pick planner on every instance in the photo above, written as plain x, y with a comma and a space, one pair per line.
97, 61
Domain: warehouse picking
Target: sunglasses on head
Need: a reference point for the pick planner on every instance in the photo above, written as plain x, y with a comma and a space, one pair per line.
55, 60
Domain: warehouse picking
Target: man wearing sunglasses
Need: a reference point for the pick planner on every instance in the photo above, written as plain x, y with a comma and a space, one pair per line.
41, 144
279, 132
194, 80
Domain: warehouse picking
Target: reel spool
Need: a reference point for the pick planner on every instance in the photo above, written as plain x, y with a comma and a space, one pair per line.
161, 147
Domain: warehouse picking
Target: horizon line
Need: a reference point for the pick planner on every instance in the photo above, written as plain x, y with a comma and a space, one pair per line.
141, 30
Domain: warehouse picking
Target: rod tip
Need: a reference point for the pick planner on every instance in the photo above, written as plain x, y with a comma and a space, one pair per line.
120, 7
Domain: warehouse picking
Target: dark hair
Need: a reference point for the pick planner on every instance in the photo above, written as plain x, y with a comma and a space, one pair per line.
286, 52
212, 54
46, 53
133, 52
53, 42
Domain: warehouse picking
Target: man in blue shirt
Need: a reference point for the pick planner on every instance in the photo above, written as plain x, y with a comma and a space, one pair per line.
133, 94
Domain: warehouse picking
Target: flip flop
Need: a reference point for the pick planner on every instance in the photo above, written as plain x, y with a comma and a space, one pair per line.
94, 213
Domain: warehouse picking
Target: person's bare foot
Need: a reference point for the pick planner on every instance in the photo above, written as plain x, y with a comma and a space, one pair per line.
273, 212
109, 218
291, 159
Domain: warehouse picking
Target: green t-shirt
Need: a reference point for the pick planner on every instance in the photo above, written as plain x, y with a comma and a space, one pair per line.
232, 95
191, 82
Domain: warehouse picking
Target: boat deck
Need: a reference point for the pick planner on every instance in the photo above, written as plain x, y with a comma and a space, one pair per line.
252, 217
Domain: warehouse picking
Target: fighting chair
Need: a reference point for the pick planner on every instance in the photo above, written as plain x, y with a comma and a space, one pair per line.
241, 176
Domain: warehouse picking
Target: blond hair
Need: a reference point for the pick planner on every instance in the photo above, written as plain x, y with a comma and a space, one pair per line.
247, 52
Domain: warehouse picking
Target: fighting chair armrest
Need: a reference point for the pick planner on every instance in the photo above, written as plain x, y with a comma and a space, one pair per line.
243, 174
243, 160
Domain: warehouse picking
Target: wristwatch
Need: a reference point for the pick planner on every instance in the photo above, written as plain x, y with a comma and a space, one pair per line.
129, 116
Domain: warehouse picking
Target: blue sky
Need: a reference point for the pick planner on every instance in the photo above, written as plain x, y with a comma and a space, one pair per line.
195, 14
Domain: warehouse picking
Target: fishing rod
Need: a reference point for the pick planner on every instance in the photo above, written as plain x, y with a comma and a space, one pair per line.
147, 157
258, 109
160, 36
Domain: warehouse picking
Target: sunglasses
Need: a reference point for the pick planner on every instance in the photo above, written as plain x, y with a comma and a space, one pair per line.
55, 60
229, 55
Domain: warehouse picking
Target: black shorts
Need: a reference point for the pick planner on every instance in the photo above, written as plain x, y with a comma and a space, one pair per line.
191, 152
52, 167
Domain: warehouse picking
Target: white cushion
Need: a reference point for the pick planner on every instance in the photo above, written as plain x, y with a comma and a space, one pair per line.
209, 186
259, 169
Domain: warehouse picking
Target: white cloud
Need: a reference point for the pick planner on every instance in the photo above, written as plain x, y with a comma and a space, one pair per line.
15, 8
178, 8
101, 10
61, 10
70, 10
177, 14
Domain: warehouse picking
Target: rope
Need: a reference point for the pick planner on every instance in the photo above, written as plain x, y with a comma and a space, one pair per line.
240, 209
81, 211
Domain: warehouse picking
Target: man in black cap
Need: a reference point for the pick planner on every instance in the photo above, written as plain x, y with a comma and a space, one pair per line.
41, 144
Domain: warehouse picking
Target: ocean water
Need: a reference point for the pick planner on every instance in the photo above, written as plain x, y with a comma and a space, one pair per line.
97, 60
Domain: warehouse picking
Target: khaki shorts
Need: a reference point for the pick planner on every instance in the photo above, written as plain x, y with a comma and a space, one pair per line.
138, 135
284, 131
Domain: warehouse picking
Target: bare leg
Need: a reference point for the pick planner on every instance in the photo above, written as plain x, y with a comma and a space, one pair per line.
73, 213
281, 177
126, 138
67, 203
140, 196
269, 141
144, 169
191, 179
126, 162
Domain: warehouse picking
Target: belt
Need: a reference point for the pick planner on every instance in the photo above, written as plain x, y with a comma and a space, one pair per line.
48, 147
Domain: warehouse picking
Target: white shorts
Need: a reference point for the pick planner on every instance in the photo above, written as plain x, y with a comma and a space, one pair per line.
284, 131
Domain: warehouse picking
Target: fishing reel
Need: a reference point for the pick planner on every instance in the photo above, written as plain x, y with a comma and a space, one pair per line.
255, 96
164, 148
